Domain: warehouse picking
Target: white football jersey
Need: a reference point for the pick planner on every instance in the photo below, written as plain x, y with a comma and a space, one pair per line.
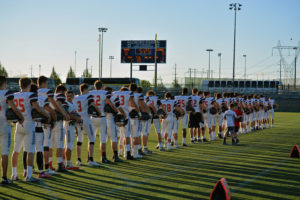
71, 107
137, 97
124, 97
220, 101
43, 101
272, 102
208, 102
82, 103
23, 101
168, 105
100, 98
183, 101
45, 92
154, 100
4, 96
196, 102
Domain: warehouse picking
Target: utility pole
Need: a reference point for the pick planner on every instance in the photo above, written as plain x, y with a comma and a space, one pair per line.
191, 82
175, 74
280, 71
31, 71
40, 66
295, 77
101, 30
91, 70
245, 66
75, 63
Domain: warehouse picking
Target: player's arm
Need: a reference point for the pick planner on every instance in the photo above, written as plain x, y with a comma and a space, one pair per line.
119, 107
36, 106
143, 105
16, 110
151, 106
59, 102
51, 112
77, 118
91, 103
112, 105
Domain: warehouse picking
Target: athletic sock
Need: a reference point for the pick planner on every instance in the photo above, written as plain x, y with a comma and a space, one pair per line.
59, 159
69, 163
160, 144
103, 154
176, 142
145, 147
183, 140
50, 159
29, 171
79, 159
91, 159
14, 171
128, 147
25, 160
47, 166
39, 160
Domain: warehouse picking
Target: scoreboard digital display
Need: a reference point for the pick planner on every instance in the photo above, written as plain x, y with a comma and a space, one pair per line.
143, 51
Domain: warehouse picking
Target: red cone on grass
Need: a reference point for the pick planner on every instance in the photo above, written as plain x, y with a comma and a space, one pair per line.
295, 153
221, 191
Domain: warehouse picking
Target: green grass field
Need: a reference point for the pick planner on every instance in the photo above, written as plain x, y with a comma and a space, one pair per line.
258, 168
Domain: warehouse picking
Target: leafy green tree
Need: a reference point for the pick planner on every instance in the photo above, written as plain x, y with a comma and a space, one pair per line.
3, 71
55, 77
86, 74
145, 83
71, 73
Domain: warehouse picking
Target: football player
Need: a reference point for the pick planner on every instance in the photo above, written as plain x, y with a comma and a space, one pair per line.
39, 137
134, 113
101, 97
58, 132
273, 106
43, 91
195, 116
69, 127
6, 101
144, 121
25, 133
230, 117
126, 98
212, 108
111, 109
219, 116
183, 101
156, 121
82, 102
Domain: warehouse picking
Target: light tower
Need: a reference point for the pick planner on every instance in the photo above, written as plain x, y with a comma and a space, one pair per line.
209, 50
101, 30
235, 7
111, 58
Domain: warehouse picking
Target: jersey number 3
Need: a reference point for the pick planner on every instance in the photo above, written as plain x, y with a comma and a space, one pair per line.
79, 106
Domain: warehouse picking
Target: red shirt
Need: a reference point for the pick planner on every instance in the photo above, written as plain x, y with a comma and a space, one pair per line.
237, 121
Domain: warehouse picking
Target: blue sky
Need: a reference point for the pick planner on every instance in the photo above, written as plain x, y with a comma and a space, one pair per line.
49, 32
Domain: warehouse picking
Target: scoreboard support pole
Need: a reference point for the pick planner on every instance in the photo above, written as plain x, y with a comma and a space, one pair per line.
155, 72
130, 71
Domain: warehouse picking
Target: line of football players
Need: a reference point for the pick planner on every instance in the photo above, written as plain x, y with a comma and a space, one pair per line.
46, 120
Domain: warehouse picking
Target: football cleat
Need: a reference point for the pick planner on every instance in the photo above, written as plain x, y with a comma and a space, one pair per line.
220, 136
31, 179
161, 149
44, 175
50, 172
61, 169
105, 161
205, 140
224, 143
176, 146
71, 167
51, 167
170, 147
184, 145
192, 142
199, 141
6, 181
78, 163
147, 152
93, 164
117, 159
14, 178
129, 156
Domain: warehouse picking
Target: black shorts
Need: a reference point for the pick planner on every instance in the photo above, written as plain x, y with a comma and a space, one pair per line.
233, 129
195, 119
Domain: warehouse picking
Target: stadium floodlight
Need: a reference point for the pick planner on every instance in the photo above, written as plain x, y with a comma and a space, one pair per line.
209, 50
101, 30
235, 7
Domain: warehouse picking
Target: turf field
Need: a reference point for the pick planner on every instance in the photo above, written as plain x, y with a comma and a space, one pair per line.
258, 168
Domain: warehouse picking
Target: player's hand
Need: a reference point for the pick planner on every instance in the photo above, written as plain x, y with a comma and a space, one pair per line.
21, 120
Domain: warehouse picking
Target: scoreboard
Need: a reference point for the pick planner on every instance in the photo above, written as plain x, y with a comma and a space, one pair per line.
143, 51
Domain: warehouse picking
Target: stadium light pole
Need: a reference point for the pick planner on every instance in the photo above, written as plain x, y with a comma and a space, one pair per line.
209, 50
245, 56
101, 30
111, 58
219, 54
235, 7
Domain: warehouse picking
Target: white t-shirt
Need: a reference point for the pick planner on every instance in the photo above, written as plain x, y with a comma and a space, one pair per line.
230, 116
